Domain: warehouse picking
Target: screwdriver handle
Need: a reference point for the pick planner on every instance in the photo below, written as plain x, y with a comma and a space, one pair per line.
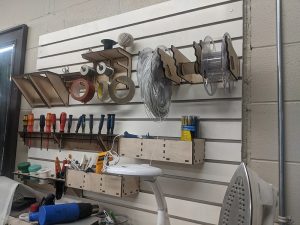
83, 123
112, 123
70, 123
78, 124
53, 122
62, 121
48, 123
25, 123
91, 123
101, 123
108, 123
30, 122
42, 123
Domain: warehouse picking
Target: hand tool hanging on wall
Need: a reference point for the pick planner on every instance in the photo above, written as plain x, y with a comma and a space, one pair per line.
25, 123
70, 120
53, 122
83, 124
78, 124
48, 128
62, 121
30, 126
91, 125
101, 123
112, 126
42, 127
108, 126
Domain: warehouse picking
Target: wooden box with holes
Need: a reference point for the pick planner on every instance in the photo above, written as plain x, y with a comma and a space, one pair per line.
166, 150
119, 186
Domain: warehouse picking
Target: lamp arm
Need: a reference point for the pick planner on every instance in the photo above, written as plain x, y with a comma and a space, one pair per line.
162, 212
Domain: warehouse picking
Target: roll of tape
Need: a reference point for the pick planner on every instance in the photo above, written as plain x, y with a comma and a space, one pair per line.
87, 70
102, 91
113, 91
82, 90
103, 69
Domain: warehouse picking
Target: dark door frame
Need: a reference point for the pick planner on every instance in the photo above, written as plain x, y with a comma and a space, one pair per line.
17, 36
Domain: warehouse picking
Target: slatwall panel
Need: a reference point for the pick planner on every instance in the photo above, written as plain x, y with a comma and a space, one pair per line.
194, 193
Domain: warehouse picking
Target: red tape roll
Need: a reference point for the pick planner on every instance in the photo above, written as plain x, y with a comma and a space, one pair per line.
82, 90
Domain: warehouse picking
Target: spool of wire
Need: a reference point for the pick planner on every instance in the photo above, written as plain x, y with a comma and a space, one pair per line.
86, 70
102, 68
156, 90
215, 65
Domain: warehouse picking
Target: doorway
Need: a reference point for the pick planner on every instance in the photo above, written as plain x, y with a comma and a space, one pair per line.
12, 55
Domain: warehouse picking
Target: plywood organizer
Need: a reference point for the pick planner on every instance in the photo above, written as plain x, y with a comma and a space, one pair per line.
118, 186
176, 151
43, 88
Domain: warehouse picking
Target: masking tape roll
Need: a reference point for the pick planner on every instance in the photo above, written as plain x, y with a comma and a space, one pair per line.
82, 90
87, 70
102, 69
102, 90
113, 91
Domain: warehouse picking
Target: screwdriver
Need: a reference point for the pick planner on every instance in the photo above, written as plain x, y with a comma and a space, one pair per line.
101, 123
42, 127
30, 126
83, 123
48, 127
91, 125
78, 124
53, 122
108, 126
25, 123
70, 123
62, 121
112, 126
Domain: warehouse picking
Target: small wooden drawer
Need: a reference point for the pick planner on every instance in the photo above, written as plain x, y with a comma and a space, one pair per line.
177, 151
114, 185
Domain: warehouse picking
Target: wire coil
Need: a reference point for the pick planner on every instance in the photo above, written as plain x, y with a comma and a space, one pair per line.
156, 90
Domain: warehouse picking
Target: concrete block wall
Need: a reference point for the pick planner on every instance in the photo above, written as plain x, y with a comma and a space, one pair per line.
260, 95
45, 16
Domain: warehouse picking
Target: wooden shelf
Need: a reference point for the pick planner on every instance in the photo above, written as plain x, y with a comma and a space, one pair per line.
52, 178
118, 58
166, 150
43, 88
70, 141
119, 186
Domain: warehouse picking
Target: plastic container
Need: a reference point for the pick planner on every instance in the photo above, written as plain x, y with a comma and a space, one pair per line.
23, 167
33, 171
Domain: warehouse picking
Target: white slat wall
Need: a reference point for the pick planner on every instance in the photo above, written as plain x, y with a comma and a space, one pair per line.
194, 193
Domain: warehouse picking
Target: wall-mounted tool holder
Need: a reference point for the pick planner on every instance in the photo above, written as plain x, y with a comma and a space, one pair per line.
119, 186
70, 141
167, 150
169, 67
210, 66
117, 58
187, 70
43, 89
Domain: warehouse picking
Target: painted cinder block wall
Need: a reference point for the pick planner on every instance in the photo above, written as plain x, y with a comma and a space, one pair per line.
260, 139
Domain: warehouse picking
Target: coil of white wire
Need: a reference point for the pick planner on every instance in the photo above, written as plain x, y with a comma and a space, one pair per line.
156, 90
